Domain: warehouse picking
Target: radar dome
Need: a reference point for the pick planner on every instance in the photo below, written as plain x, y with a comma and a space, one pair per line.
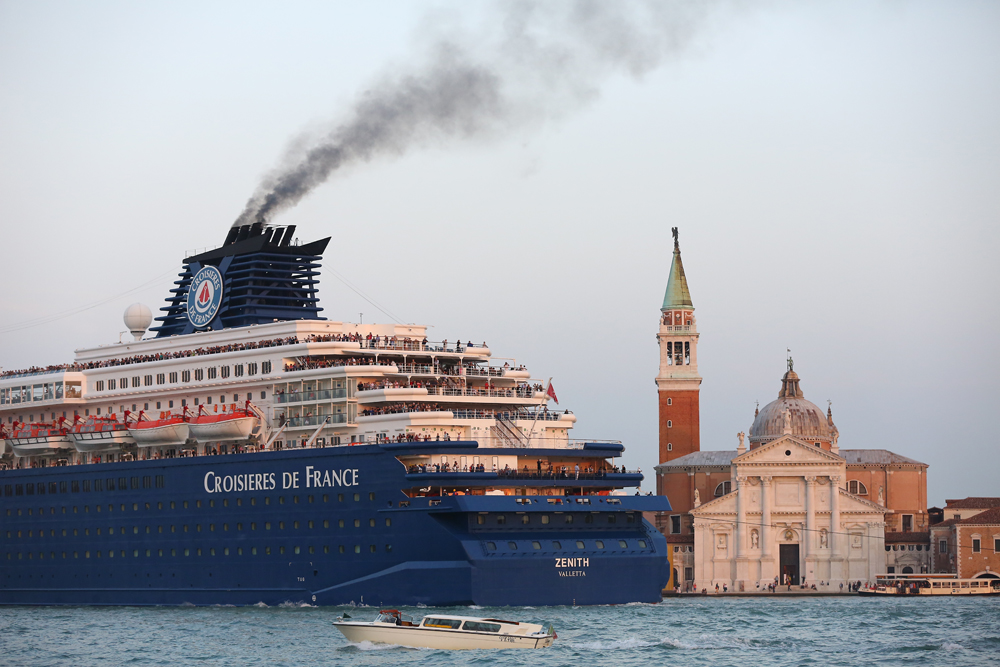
137, 318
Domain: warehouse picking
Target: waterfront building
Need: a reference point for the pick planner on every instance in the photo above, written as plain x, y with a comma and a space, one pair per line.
693, 478
967, 542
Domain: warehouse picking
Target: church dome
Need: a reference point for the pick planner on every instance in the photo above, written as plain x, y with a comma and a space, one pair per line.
805, 419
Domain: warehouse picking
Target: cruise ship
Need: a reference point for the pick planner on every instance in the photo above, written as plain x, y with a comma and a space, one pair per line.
246, 450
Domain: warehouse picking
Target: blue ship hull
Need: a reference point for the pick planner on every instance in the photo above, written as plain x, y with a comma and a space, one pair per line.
326, 526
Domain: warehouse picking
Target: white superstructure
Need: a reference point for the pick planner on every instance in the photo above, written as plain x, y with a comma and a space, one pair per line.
311, 380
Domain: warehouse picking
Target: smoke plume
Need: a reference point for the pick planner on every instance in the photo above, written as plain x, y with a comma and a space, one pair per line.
533, 63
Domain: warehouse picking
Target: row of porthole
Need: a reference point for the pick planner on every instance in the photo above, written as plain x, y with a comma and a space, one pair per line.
225, 551
185, 504
173, 529
557, 545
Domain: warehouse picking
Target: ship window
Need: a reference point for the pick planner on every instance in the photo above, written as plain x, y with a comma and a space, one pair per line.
501, 519
341, 523
357, 548
239, 551
512, 545
253, 525
480, 519
281, 500
612, 518
224, 371
135, 381
642, 544
340, 497
265, 367
160, 379
112, 384
492, 546
622, 544
536, 545
341, 548
357, 523
252, 368
173, 378
357, 497
525, 519
481, 627
237, 370
589, 518
600, 544
447, 623
326, 523
148, 380
580, 544
53, 488
371, 496
569, 518
371, 523
211, 372
124, 383
62, 487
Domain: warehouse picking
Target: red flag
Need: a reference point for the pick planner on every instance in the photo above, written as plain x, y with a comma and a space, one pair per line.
551, 393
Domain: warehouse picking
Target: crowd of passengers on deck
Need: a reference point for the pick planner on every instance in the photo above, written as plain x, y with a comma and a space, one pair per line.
370, 341
451, 387
542, 472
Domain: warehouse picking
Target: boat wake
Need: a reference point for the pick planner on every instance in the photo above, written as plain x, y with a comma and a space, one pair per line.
702, 642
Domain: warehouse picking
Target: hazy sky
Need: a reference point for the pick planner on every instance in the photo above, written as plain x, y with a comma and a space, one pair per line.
834, 169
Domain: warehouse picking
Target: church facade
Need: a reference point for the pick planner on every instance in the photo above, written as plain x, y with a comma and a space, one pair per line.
790, 505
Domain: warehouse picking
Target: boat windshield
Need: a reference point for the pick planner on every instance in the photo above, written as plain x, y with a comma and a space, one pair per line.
449, 623
479, 626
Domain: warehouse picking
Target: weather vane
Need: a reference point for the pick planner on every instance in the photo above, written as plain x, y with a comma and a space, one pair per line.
673, 230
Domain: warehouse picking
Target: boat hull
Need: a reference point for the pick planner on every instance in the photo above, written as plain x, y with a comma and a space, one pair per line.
161, 436
411, 551
42, 446
226, 430
421, 637
101, 441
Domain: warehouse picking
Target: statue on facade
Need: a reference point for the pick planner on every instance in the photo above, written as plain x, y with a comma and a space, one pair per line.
741, 435
787, 416
881, 496
697, 498
754, 538
823, 539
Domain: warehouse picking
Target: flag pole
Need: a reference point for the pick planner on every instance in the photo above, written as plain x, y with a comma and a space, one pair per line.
532, 431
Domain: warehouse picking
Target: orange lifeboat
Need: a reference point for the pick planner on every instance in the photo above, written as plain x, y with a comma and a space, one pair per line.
228, 425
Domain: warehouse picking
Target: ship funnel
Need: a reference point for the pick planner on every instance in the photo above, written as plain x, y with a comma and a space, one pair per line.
289, 231
231, 236
137, 319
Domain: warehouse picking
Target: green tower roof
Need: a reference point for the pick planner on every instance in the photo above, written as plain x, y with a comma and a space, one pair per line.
678, 295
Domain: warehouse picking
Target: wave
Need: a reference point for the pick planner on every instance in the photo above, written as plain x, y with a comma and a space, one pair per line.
627, 643
260, 605
288, 604
369, 646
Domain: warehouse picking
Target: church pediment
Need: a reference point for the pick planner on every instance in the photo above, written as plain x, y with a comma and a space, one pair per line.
785, 450
851, 503
722, 505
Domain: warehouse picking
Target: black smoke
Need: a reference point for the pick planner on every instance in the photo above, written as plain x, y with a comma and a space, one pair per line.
534, 62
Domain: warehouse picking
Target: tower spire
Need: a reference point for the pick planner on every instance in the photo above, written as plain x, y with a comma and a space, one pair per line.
677, 295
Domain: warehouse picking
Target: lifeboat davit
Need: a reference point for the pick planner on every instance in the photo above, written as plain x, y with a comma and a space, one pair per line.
230, 424
39, 439
168, 430
100, 434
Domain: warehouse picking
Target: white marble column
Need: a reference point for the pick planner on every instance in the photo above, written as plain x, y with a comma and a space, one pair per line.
741, 515
767, 570
807, 537
835, 537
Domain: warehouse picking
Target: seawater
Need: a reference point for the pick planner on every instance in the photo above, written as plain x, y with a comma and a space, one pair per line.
713, 631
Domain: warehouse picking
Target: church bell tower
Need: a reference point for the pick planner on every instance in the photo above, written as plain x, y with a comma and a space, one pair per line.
678, 381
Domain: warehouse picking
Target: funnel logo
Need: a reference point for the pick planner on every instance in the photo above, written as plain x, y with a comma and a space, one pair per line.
204, 296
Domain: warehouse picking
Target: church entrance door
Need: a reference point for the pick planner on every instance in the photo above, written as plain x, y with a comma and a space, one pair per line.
789, 563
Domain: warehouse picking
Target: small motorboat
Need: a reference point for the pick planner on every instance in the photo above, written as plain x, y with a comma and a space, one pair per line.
446, 632
169, 429
231, 423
